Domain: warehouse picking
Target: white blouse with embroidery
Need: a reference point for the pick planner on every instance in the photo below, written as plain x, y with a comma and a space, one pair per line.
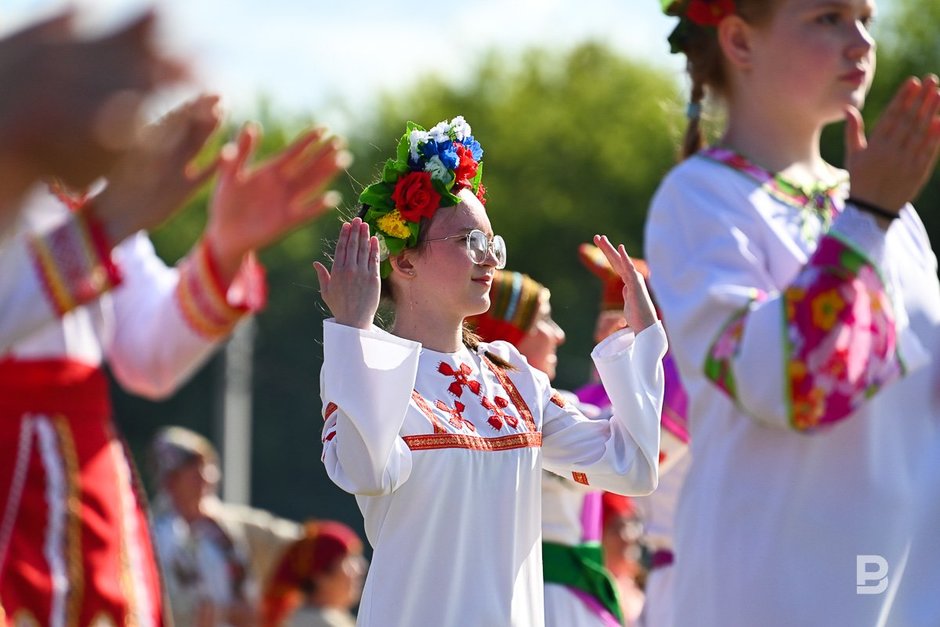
444, 452
809, 357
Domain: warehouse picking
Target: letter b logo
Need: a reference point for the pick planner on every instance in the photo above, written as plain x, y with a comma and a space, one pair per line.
870, 580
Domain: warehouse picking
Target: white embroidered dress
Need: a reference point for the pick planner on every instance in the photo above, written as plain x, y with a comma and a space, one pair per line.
813, 398
444, 452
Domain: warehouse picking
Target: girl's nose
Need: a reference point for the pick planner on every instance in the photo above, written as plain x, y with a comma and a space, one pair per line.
862, 43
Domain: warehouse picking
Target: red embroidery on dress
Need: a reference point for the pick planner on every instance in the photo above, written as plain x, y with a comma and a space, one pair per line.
330, 408
428, 411
513, 393
580, 477
473, 442
460, 379
497, 405
329, 436
558, 399
456, 415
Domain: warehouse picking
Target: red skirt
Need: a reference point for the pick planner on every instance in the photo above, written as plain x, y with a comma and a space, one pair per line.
74, 542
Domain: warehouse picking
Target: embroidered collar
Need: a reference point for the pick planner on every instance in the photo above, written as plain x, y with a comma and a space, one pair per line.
822, 199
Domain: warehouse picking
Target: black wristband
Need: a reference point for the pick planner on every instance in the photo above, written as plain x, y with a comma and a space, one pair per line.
881, 212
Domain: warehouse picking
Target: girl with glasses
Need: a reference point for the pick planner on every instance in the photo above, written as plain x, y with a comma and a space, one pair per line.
441, 437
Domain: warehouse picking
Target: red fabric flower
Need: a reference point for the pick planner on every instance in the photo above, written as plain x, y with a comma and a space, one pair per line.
466, 168
415, 196
481, 194
709, 12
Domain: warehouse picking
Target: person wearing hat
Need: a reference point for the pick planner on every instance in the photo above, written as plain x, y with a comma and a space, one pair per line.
443, 437
579, 591
656, 510
214, 555
318, 579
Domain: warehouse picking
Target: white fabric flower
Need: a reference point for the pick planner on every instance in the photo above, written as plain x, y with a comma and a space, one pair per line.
461, 128
415, 139
438, 170
441, 132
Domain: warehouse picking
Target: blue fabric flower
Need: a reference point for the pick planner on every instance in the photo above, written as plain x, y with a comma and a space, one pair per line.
448, 154
474, 146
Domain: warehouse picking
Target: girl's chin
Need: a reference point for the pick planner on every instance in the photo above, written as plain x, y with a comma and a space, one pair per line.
479, 306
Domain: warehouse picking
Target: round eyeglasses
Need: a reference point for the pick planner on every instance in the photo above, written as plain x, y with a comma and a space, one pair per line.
479, 246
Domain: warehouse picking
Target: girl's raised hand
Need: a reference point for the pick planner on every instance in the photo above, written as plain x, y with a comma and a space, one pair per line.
352, 289
890, 167
637, 305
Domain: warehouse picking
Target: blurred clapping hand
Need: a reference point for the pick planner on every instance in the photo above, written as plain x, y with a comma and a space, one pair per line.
72, 105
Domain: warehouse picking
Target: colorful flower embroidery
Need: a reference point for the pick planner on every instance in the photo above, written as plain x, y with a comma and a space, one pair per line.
826, 308
725, 348
840, 342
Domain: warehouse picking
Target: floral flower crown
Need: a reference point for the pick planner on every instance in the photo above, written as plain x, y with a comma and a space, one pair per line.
692, 14
429, 169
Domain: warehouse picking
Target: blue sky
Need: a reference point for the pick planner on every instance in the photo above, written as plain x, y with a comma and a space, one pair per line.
306, 56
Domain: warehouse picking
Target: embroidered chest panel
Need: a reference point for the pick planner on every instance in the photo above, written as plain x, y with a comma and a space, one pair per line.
466, 407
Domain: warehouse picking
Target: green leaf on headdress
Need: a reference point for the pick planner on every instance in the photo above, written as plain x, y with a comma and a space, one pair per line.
395, 245
378, 196
394, 170
385, 268
475, 181
415, 228
447, 199
372, 216
671, 7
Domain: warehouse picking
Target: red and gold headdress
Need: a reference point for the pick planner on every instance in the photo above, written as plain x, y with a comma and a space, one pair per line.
515, 299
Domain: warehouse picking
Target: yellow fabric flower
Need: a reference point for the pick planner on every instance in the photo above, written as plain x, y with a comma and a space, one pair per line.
826, 309
392, 224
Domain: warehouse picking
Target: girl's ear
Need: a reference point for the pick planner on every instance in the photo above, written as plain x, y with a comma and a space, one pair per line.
402, 264
736, 39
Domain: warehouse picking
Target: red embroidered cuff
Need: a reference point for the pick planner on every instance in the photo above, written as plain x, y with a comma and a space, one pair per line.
209, 306
74, 262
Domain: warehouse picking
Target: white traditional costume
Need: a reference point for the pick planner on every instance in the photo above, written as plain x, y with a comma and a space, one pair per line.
805, 351
445, 452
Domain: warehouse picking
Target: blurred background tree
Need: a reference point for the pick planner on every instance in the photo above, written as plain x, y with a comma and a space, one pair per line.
576, 142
